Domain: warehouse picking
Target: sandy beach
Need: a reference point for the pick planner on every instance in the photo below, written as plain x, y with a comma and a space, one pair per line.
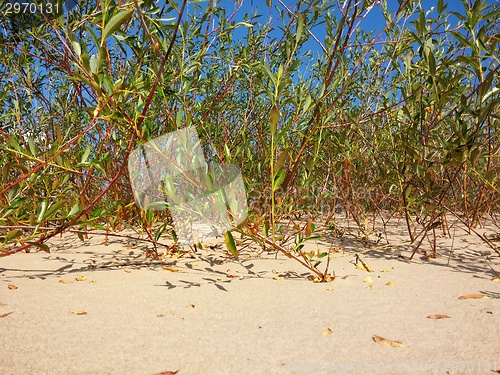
88, 308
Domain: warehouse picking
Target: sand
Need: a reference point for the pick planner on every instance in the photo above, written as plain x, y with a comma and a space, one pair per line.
259, 314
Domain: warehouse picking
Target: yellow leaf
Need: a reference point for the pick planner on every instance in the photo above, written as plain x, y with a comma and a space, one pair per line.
387, 342
329, 278
390, 283
170, 269
81, 278
274, 271
496, 279
329, 288
473, 296
368, 279
12, 287
438, 316
62, 281
78, 312
279, 278
384, 270
327, 331
364, 267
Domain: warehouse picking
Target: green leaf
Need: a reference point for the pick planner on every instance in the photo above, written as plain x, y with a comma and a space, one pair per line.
41, 246
230, 244
13, 234
31, 145
432, 63
114, 24
74, 209
53, 209
274, 117
77, 47
43, 210
85, 155
280, 161
300, 27
441, 7
278, 180
307, 103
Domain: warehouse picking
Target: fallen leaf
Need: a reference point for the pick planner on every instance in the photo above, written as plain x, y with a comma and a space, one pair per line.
170, 269
78, 312
384, 270
62, 281
369, 287
390, 283
438, 316
231, 276
279, 278
12, 287
6, 314
329, 288
496, 279
473, 296
344, 277
191, 305
329, 278
81, 278
327, 331
364, 267
387, 342
274, 271
127, 271
167, 373
368, 280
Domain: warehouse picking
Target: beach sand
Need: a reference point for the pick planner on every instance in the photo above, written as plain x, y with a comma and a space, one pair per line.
259, 314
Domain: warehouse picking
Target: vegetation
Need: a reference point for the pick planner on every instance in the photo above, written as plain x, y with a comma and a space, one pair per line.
319, 113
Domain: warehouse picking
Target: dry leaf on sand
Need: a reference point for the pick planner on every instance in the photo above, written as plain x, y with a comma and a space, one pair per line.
81, 278
167, 373
327, 331
496, 279
171, 269
390, 283
387, 342
62, 281
6, 314
12, 287
473, 296
364, 267
438, 316
368, 279
78, 312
